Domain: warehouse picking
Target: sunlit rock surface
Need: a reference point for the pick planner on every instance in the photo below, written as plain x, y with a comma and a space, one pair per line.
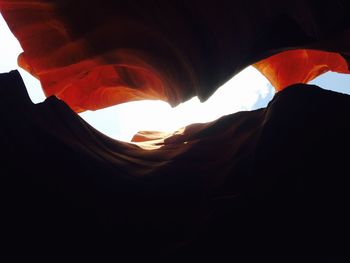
97, 55
270, 184
300, 66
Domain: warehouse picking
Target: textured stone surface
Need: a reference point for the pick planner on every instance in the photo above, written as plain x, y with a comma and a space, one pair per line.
97, 55
269, 185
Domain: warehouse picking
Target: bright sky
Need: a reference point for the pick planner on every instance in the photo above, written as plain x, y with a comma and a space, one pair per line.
248, 90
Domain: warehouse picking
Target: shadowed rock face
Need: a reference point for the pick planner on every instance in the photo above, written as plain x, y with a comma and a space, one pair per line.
97, 55
270, 184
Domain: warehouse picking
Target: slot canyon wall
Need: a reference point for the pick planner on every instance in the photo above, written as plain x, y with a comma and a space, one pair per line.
270, 184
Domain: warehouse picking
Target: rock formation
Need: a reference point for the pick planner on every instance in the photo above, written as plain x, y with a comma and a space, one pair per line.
97, 55
270, 184
267, 185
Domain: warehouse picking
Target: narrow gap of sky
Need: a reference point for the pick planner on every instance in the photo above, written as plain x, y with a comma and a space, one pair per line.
248, 90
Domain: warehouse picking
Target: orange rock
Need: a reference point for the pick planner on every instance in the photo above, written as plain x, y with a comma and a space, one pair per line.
299, 66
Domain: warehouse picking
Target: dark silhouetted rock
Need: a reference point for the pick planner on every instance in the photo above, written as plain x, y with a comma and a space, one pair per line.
269, 185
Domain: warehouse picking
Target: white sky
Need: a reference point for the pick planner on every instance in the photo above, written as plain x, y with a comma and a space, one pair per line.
240, 93
246, 91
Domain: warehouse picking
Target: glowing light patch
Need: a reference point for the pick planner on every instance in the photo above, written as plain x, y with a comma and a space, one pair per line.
240, 93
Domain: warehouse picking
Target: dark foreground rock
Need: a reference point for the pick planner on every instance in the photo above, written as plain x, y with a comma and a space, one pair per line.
267, 185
